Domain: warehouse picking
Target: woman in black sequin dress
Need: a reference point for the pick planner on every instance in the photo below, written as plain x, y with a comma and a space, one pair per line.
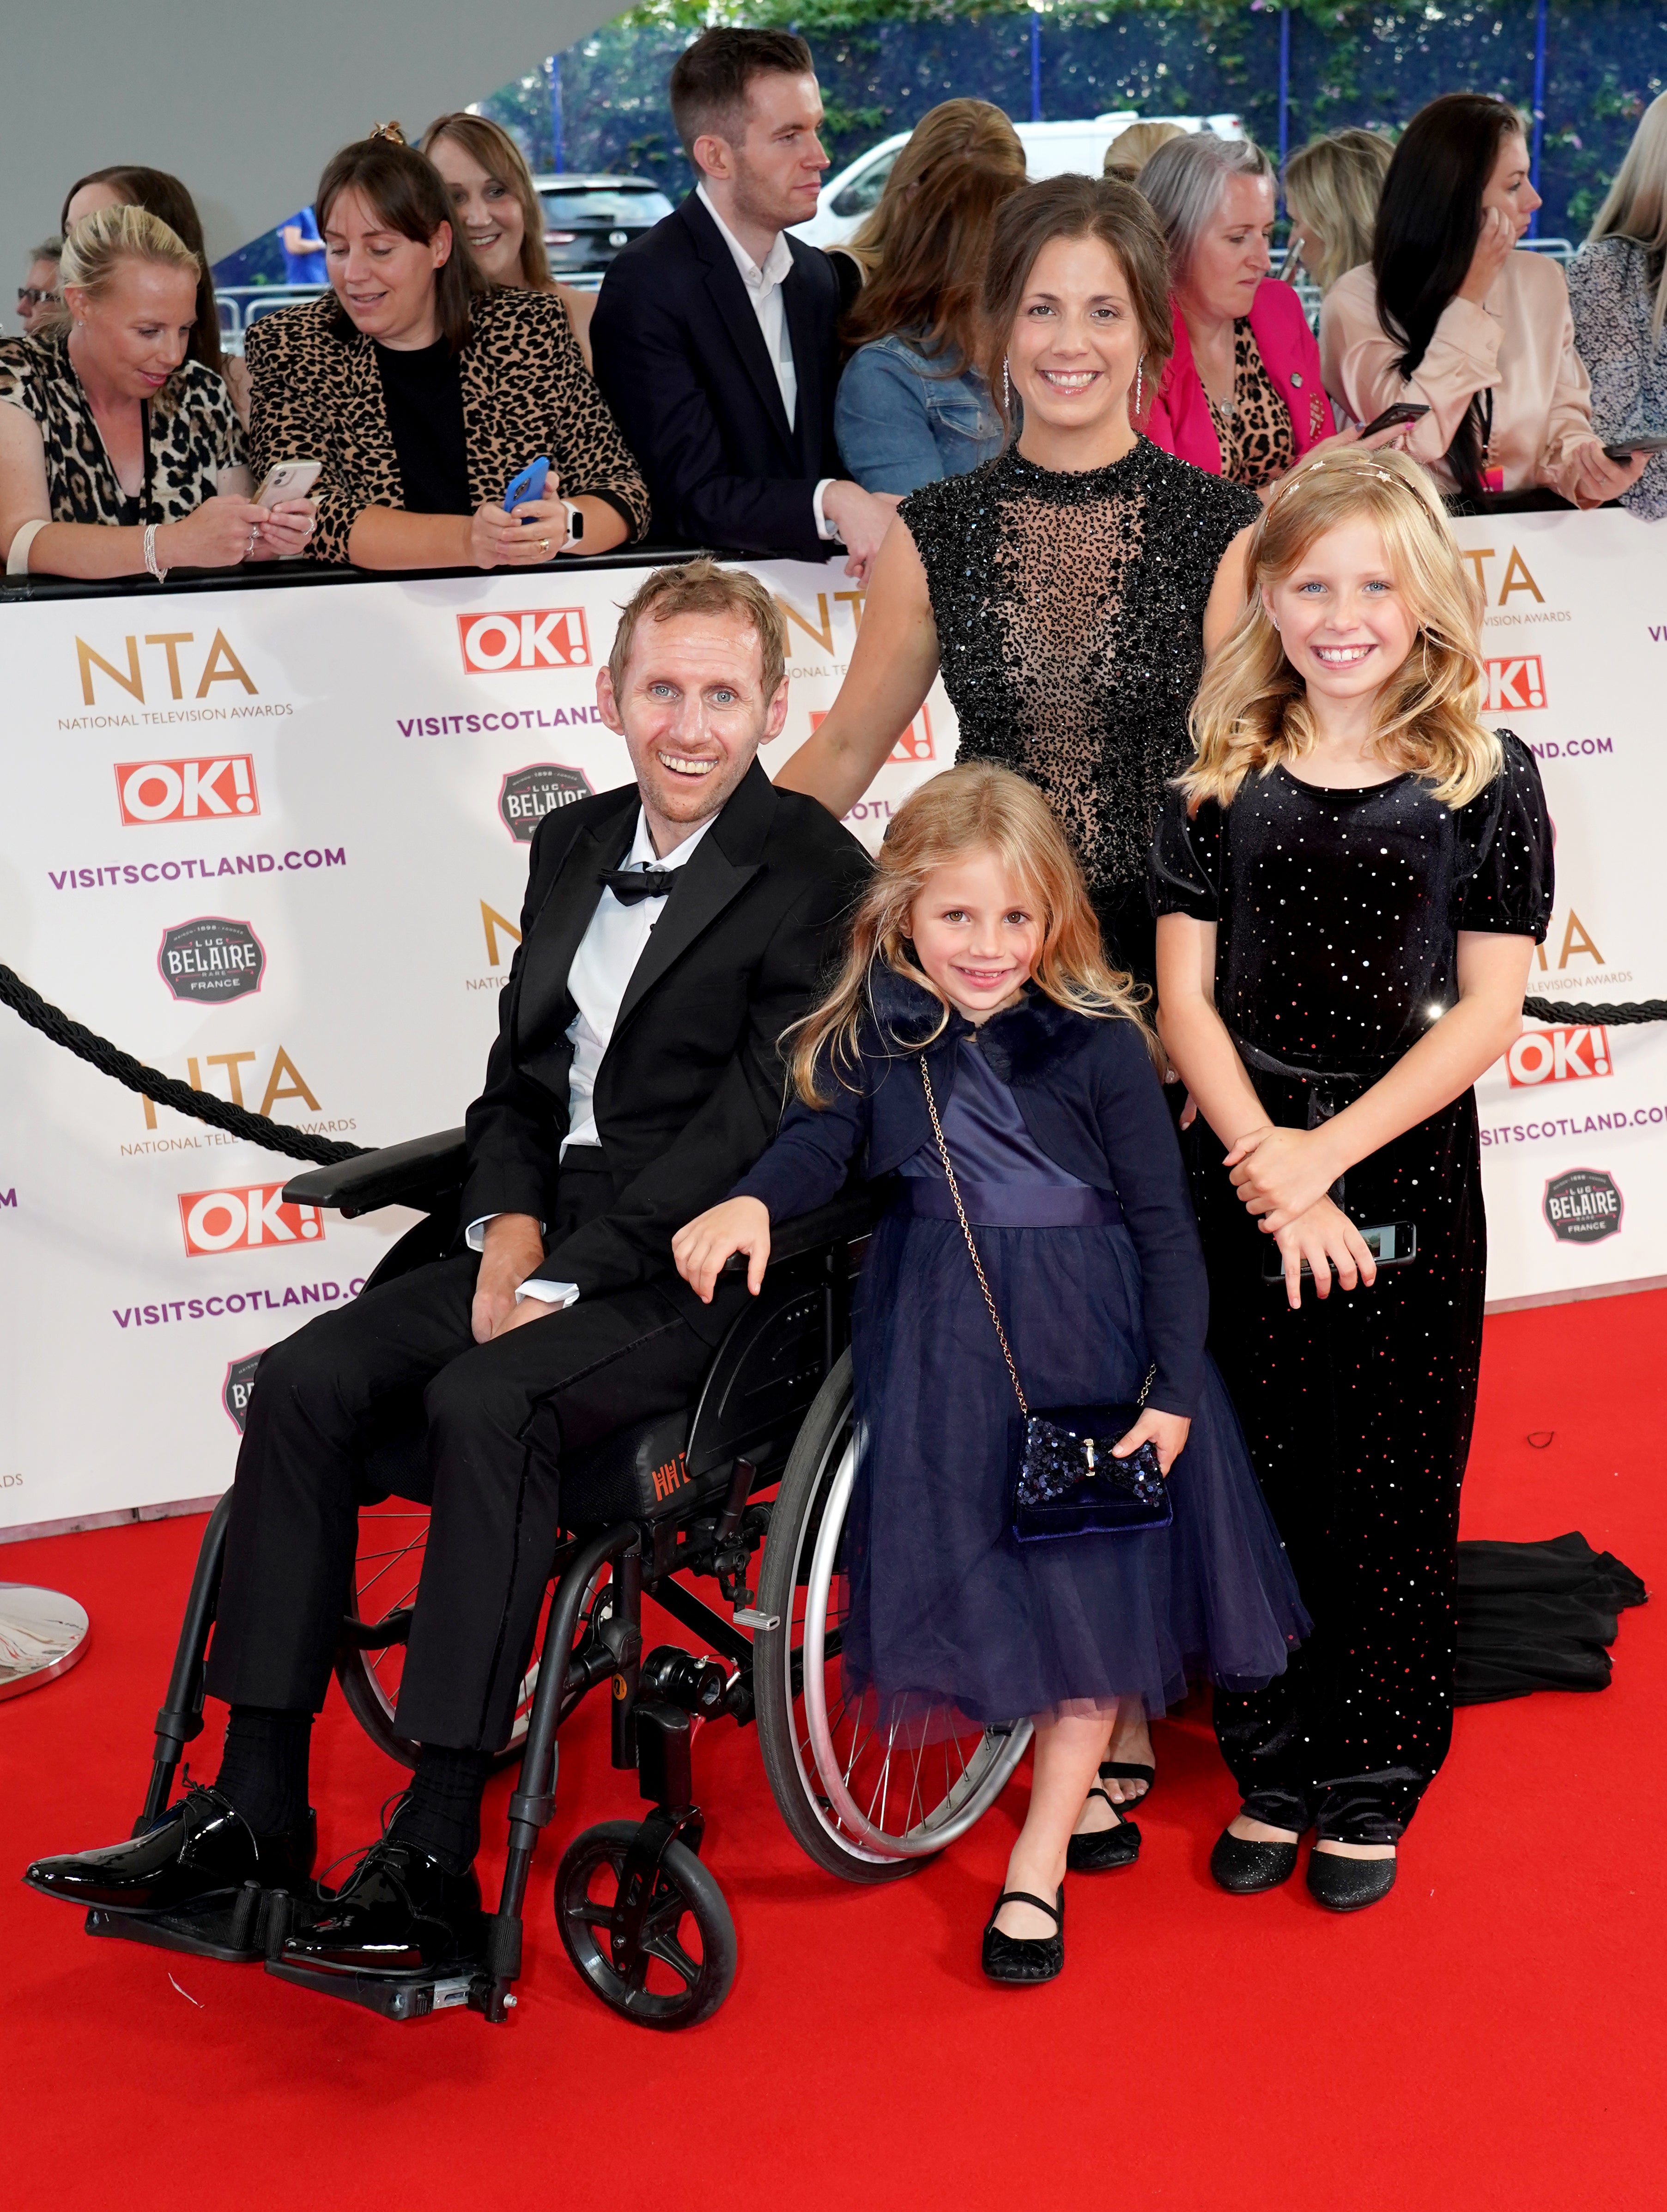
1350, 882
1070, 588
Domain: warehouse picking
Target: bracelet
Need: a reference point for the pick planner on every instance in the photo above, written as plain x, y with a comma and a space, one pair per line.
151, 563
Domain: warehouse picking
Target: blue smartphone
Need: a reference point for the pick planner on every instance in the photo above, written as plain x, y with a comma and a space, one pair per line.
529, 484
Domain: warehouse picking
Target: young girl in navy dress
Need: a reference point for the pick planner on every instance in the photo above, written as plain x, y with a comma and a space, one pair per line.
1350, 881
975, 946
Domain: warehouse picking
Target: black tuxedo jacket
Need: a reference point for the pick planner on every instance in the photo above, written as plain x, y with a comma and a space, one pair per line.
682, 364
691, 1085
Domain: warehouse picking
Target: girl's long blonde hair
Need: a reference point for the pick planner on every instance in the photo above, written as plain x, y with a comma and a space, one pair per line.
1252, 712
978, 808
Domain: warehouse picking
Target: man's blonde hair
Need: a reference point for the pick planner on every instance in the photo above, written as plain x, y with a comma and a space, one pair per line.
701, 587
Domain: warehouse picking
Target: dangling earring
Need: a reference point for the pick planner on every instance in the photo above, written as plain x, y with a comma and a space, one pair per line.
1139, 384
1007, 389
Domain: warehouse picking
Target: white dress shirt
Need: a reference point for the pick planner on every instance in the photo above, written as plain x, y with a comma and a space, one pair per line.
764, 290
606, 960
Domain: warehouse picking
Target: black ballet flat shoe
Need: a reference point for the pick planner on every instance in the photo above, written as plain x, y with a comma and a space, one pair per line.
1016, 1958
1244, 1866
1345, 1885
1130, 1770
1104, 1848
201, 1850
400, 1911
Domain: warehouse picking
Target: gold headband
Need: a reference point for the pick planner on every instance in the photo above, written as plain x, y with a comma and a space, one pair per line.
391, 132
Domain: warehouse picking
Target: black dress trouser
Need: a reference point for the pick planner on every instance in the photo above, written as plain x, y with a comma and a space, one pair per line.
392, 1392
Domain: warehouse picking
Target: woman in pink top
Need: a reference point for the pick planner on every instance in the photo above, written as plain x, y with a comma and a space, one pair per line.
1242, 395
1449, 316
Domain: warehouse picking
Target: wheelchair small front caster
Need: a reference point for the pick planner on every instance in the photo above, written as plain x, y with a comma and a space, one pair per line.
644, 1922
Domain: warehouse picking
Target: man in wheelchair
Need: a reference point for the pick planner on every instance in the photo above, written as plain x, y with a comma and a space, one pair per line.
672, 930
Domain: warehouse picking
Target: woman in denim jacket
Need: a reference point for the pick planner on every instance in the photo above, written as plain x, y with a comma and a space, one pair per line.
913, 407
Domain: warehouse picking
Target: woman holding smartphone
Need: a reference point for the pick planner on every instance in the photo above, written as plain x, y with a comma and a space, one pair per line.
424, 390
1350, 879
118, 454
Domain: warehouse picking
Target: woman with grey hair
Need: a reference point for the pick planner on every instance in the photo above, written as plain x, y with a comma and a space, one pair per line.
1242, 395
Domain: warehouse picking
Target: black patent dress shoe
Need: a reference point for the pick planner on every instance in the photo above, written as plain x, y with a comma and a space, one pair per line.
1101, 1849
398, 1912
1243, 1866
1345, 1885
1016, 1959
200, 1849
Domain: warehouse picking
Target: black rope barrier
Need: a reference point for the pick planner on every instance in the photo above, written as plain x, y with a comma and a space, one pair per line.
219, 1113
278, 1137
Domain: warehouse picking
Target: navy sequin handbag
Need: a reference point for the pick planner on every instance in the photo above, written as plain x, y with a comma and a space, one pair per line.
1067, 1481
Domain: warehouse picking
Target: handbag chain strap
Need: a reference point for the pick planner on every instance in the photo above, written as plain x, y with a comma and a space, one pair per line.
973, 1250
967, 1231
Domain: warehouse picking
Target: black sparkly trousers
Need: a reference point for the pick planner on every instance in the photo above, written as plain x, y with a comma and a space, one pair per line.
1358, 1411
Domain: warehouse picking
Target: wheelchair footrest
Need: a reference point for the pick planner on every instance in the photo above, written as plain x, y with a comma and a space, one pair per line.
411, 1997
234, 1928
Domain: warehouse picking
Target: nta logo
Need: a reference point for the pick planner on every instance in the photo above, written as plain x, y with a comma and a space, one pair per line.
1515, 683
528, 794
211, 960
1583, 1206
545, 637
239, 1381
185, 790
221, 666
244, 1220
1558, 1055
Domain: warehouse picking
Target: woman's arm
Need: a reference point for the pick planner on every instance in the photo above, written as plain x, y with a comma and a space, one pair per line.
1280, 1172
1607, 337
591, 458
1572, 459
1227, 596
892, 668
1361, 363
882, 425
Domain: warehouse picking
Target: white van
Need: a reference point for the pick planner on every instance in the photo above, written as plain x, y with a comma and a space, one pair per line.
1052, 149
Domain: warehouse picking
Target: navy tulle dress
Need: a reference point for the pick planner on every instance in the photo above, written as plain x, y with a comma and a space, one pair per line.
1097, 1275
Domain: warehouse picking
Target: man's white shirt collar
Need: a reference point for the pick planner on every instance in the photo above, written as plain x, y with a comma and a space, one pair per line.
778, 263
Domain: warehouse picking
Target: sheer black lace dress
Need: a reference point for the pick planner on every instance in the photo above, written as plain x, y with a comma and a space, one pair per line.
1070, 610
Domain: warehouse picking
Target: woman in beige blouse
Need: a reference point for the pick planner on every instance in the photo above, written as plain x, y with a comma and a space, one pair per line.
1449, 315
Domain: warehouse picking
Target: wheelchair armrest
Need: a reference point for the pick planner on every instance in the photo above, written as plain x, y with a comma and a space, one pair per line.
418, 1173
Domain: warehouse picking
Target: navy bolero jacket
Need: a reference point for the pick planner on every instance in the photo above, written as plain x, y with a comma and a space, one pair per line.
1091, 1099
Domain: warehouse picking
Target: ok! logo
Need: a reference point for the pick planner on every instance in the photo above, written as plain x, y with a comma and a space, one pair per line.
506, 642
244, 1220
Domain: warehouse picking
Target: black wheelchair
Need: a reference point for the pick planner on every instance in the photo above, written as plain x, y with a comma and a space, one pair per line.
763, 1463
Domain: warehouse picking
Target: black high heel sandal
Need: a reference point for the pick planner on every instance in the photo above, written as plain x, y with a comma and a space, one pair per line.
1101, 1849
1130, 1770
1016, 1958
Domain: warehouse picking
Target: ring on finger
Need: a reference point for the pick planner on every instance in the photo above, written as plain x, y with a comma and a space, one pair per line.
544, 547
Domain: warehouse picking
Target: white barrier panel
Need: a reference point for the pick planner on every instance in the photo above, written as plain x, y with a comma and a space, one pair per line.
274, 842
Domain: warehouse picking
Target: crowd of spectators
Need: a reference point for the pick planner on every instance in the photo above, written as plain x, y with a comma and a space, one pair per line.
732, 387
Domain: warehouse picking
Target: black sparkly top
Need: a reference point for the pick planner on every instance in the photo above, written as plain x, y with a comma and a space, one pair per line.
1339, 911
1070, 610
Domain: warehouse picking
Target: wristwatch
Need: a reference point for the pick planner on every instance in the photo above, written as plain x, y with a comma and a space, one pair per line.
575, 522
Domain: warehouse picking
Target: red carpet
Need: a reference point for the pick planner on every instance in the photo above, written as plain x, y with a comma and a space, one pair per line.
1490, 2037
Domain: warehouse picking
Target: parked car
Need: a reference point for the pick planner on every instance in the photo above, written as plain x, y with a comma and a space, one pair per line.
1052, 149
588, 219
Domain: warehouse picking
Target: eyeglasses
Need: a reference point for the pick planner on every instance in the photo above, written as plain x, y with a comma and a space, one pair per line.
31, 296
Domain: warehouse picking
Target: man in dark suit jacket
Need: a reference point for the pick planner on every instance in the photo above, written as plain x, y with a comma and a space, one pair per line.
672, 930
715, 335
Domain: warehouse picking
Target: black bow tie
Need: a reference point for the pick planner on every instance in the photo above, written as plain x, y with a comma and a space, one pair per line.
629, 885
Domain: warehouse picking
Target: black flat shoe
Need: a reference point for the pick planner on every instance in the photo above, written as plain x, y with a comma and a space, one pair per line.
200, 1849
1101, 1849
398, 1911
1345, 1885
1017, 1958
1244, 1866
1130, 1770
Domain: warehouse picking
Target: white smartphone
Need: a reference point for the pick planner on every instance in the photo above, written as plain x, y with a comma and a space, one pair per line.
289, 480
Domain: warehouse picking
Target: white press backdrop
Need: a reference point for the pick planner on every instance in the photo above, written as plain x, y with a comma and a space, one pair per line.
266, 841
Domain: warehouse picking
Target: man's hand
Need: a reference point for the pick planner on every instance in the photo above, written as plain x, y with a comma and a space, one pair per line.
701, 1246
861, 519
514, 1247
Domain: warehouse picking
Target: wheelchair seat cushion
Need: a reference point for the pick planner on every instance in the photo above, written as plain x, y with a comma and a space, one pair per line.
638, 1474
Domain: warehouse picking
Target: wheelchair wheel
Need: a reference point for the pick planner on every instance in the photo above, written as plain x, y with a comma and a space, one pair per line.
867, 1795
688, 1937
388, 1566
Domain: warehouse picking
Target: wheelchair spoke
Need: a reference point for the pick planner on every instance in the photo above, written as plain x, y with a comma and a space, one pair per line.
670, 1953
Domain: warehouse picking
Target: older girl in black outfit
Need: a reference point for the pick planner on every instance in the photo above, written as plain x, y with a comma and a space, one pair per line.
1350, 880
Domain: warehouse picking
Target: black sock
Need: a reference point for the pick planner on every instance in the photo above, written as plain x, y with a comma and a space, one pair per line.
263, 1768
441, 1813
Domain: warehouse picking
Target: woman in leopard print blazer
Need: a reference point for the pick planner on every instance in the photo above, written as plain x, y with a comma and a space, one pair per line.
423, 392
